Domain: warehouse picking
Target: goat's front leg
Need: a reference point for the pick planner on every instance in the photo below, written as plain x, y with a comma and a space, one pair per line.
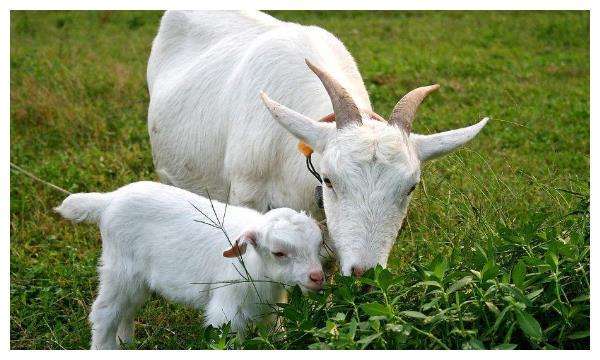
248, 193
220, 311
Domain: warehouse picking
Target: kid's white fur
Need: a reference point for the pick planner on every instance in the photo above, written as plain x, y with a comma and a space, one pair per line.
151, 242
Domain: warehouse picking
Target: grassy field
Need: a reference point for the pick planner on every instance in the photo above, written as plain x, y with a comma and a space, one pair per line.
519, 191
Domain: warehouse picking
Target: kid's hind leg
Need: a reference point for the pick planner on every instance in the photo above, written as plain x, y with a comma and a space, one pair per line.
112, 303
126, 326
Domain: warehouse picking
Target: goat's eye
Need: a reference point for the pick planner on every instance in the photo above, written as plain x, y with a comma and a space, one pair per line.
278, 254
327, 182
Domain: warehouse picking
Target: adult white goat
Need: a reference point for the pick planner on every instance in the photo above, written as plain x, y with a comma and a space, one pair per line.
151, 242
209, 129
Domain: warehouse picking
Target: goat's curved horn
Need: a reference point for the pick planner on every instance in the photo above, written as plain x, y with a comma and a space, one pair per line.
404, 111
344, 107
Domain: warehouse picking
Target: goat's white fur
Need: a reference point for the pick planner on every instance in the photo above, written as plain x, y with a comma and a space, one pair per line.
151, 242
208, 127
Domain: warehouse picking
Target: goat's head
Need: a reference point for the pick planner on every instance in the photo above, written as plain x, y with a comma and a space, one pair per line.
369, 168
288, 243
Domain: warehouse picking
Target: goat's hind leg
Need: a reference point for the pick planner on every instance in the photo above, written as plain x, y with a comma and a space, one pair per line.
113, 302
126, 329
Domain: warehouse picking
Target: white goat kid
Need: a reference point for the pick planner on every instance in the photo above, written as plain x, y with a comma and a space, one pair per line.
208, 128
156, 238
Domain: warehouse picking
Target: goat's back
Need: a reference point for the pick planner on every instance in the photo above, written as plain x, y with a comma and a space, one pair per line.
183, 35
207, 125
156, 215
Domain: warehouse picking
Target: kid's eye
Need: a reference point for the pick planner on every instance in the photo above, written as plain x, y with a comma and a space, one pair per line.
327, 182
278, 254
412, 189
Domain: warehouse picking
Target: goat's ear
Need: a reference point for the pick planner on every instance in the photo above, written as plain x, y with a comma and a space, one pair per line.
431, 146
314, 133
241, 243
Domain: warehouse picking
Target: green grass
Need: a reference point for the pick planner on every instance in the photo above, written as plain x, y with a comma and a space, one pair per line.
78, 120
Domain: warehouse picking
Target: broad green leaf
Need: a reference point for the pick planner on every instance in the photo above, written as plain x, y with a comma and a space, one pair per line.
518, 274
534, 294
375, 309
500, 318
414, 314
318, 346
489, 271
493, 308
505, 347
430, 304
581, 298
374, 323
579, 335
552, 260
517, 294
459, 284
367, 340
394, 327
476, 344
331, 328
339, 317
385, 279
428, 283
368, 281
377, 318
476, 273
352, 328
529, 325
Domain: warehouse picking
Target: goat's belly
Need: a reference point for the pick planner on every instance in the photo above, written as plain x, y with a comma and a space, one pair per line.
193, 297
185, 293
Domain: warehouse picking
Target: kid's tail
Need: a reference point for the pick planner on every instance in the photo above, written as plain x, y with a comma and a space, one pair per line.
84, 207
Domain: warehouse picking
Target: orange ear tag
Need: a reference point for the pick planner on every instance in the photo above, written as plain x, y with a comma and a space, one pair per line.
305, 149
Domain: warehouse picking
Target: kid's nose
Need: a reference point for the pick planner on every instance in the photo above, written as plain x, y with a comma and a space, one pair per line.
316, 277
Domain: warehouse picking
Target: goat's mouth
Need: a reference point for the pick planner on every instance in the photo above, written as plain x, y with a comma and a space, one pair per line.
311, 287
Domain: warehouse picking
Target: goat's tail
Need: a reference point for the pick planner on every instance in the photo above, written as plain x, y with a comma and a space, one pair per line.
84, 207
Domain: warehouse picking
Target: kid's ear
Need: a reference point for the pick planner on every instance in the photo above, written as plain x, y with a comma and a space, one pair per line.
240, 244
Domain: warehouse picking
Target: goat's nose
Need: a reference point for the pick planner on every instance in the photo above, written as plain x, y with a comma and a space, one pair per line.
358, 271
316, 276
